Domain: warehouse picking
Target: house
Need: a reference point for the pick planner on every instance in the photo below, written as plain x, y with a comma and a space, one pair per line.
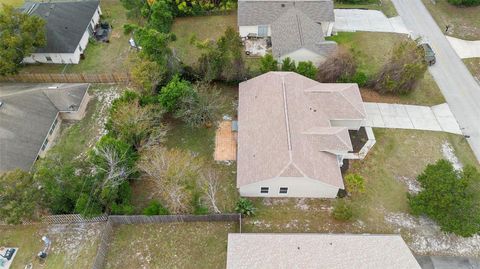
297, 28
30, 119
332, 251
69, 25
294, 135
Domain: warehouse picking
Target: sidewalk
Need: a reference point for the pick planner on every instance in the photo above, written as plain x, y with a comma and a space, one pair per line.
465, 48
352, 20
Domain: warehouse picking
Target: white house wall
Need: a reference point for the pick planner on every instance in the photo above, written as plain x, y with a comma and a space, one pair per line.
297, 187
303, 55
327, 27
350, 124
245, 30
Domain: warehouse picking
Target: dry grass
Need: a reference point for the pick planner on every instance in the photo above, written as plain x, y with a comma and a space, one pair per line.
473, 64
170, 245
464, 22
14, 3
386, 6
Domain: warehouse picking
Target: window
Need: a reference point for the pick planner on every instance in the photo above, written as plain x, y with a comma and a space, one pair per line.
49, 59
264, 190
81, 49
44, 144
283, 190
53, 126
263, 30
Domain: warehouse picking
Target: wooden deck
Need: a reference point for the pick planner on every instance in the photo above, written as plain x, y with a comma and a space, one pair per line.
225, 143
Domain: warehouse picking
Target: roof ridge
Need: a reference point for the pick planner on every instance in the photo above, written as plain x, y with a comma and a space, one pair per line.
299, 26
287, 122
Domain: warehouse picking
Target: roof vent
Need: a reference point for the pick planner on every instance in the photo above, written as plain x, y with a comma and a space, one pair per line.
283, 5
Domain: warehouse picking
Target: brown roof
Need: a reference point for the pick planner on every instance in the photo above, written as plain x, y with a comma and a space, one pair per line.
285, 128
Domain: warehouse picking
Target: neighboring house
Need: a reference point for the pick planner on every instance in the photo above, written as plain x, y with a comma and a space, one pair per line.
294, 134
297, 28
30, 118
332, 251
69, 25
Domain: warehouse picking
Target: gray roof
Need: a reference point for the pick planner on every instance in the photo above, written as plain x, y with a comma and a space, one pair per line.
66, 23
265, 12
295, 30
27, 113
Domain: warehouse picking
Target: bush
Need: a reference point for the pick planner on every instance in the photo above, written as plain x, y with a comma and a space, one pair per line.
245, 207
401, 73
355, 183
342, 210
201, 108
268, 63
449, 197
339, 66
155, 208
288, 65
464, 2
173, 92
307, 69
161, 16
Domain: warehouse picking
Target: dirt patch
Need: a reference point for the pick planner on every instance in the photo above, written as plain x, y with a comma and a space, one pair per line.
412, 184
449, 154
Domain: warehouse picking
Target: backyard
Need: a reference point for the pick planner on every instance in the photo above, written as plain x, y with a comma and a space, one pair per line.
371, 50
170, 245
115, 56
73, 246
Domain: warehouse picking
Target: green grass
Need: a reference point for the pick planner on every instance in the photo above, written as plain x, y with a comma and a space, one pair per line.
170, 245
386, 6
464, 22
398, 153
72, 247
14, 3
371, 51
115, 56
204, 28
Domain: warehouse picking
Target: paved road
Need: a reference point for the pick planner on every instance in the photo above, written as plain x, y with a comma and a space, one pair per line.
457, 84
445, 262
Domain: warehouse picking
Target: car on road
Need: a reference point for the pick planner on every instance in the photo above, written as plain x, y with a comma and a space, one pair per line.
429, 54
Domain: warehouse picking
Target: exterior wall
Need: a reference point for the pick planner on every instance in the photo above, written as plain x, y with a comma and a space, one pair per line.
297, 187
365, 149
303, 55
52, 134
80, 113
327, 27
350, 124
245, 30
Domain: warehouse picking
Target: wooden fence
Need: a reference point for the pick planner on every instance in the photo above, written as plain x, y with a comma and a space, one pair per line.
107, 234
68, 78
63, 219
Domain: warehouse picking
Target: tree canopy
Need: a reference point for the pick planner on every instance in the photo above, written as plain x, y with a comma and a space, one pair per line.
20, 35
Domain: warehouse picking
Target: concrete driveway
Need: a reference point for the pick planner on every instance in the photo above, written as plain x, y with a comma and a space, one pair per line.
353, 20
444, 262
465, 48
436, 118
457, 84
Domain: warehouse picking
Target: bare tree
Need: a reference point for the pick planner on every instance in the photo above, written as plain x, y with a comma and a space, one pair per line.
210, 185
114, 168
339, 65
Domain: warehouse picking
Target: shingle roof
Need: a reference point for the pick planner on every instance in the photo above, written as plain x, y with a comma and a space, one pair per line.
332, 251
66, 23
295, 30
264, 12
285, 129
27, 113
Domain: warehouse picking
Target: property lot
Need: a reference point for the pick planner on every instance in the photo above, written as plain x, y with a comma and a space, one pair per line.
73, 246
170, 245
389, 170
371, 50
386, 6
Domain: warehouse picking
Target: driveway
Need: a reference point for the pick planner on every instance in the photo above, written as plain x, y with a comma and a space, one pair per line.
352, 20
465, 48
444, 262
436, 118
457, 84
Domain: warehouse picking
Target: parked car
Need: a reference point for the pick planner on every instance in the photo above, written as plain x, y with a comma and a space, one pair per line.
429, 54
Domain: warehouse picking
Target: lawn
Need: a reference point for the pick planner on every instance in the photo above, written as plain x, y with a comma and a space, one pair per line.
386, 6
464, 22
170, 245
73, 246
14, 3
473, 64
398, 155
371, 50
115, 56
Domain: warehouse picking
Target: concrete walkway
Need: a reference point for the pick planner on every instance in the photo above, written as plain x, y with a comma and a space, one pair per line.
465, 48
436, 118
445, 262
353, 20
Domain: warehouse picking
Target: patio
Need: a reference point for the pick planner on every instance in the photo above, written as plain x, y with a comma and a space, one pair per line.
257, 46
226, 142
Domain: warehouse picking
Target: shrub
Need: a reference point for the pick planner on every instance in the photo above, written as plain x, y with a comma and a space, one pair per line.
342, 210
128, 28
268, 63
161, 16
360, 78
201, 108
401, 73
155, 208
307, 69
339, 66
173, 92
288, 65
449, 197
355, 183
464, 2
245, 207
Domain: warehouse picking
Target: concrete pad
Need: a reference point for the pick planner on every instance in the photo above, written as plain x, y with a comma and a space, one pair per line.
397, 122
465, 48
351, 20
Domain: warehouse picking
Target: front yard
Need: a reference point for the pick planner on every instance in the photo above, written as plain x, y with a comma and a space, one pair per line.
171, 245
73, 246
371, 50
385, 6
